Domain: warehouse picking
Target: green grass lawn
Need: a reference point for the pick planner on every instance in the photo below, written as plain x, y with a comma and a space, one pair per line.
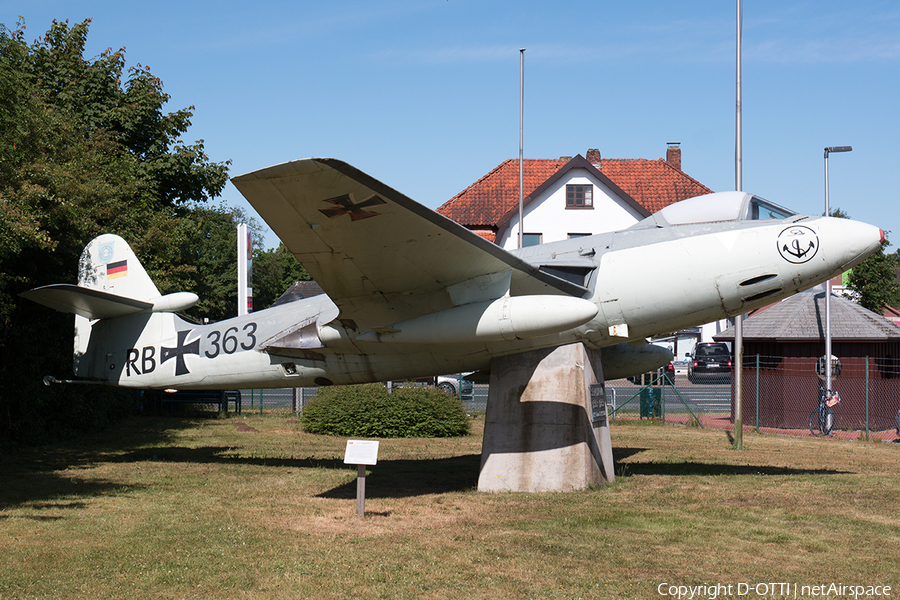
255, 508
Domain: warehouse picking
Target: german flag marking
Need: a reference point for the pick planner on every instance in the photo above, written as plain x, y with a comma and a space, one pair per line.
116, 269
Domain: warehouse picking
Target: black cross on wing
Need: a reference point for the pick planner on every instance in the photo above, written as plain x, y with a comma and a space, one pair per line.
345, 206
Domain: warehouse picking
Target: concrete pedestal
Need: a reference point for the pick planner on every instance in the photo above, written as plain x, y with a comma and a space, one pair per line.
538, 433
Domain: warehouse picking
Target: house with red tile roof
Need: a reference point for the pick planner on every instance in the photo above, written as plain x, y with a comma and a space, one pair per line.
570, 197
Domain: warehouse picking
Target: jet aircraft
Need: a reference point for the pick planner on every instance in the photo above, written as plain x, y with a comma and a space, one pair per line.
410, 293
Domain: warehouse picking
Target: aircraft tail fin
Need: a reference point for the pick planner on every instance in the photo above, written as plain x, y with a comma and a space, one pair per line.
109, 265
111, 283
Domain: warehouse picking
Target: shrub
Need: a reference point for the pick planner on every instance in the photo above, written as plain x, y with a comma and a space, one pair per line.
369, 411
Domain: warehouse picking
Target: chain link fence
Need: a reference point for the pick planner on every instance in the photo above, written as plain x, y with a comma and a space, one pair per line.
779, 396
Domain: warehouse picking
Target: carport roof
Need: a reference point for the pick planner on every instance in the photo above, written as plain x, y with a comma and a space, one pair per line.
802, 318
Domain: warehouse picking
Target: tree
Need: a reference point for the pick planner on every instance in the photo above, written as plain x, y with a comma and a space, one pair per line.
873, 282
81, 154
91, 92
274, 271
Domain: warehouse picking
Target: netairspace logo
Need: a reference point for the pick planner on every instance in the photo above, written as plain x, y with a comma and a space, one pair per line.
771, 590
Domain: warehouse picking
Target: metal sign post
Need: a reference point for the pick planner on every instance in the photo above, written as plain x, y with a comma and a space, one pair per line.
361, 453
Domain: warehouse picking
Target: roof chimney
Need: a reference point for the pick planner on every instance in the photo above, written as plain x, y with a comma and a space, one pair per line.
673, 155
593, 157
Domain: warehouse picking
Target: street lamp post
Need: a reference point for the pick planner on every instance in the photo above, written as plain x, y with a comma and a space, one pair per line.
828, 365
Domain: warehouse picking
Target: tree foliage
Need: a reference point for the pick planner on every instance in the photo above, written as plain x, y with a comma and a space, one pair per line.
274, 271
82, 153
873, 282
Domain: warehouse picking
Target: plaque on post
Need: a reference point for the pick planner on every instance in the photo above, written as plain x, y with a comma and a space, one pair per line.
361, 453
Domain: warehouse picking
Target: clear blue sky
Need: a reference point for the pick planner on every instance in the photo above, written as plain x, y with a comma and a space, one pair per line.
424, 94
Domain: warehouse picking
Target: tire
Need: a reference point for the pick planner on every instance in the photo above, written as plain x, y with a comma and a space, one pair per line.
821, 421
445, 386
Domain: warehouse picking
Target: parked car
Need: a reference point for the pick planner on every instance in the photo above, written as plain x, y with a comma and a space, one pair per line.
711, 363
450, 383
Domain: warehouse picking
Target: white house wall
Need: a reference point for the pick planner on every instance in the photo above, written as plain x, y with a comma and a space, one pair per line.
548, 215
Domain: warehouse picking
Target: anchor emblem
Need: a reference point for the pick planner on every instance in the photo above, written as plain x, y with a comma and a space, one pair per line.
798, 244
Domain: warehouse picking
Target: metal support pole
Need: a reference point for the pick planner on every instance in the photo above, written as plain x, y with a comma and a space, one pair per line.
521, 145
360, 490
827, 299
828, 365
738, 184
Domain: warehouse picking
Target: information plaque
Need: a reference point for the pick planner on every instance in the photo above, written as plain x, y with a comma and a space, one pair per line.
361, 452
598, 404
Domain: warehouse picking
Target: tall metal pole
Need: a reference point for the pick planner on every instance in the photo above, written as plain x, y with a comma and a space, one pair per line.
828, 365
245, 292
827, 298
521, 143
738, 185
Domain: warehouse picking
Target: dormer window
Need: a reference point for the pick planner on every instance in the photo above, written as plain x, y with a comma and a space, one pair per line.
580, 196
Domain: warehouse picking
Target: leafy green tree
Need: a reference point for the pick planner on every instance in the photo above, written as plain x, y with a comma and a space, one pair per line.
274, 271
873, 282
212, 250
81, 154
92, 93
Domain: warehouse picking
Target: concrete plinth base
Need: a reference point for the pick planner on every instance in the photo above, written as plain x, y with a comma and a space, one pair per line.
538, 433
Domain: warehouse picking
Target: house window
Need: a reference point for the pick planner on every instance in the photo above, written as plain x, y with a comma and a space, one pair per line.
580, 196
572, 236
531, 239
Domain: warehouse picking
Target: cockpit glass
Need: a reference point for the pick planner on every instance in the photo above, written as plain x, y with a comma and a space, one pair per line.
763, 209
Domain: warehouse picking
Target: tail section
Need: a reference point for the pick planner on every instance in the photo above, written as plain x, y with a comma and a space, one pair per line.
109, 265
112, 284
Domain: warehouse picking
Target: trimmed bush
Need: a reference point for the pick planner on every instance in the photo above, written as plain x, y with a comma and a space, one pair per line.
369, 411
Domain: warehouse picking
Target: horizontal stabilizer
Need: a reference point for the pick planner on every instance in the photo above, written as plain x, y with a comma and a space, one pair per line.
87, 302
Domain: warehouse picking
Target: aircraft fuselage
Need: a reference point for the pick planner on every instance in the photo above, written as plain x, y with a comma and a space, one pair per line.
642, 282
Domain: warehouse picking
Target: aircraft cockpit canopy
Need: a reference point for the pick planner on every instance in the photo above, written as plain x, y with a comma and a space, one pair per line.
720, 206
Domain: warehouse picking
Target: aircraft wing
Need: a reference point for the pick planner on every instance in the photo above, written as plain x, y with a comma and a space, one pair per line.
380, 256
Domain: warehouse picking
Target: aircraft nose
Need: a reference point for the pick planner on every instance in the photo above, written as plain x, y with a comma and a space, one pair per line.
846, 243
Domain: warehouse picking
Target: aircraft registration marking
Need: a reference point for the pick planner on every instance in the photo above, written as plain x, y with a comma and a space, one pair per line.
143, 361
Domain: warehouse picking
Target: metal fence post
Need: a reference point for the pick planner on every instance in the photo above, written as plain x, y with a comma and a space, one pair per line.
867, 398
757, 392
662, 396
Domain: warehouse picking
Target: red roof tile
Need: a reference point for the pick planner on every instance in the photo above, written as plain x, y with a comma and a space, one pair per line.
654, 184
488, 199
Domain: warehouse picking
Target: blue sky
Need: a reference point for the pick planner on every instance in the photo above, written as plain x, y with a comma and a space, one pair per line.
424, 94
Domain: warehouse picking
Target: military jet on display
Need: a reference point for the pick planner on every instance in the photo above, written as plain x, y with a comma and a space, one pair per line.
410, 293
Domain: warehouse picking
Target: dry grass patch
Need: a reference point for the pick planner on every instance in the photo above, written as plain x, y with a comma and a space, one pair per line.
256, 508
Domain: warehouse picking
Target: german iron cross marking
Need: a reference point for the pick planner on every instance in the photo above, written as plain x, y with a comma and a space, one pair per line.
179, 352
345, 206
